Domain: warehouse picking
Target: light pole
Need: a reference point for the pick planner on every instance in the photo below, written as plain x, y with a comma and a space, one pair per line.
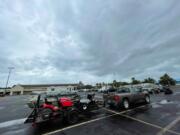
10, 69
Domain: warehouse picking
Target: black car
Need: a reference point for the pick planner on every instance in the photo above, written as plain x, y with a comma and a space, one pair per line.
168, 91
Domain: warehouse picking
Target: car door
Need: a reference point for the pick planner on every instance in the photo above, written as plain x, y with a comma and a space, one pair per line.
137, 94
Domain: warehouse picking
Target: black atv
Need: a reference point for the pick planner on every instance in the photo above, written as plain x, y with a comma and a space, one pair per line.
87, 105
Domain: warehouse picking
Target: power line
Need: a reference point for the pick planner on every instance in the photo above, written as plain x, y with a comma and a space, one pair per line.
10, 69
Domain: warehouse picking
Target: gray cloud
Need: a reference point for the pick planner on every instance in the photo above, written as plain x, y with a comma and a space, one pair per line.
67, 41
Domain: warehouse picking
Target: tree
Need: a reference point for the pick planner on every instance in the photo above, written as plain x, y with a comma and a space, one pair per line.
149, 80
166, 80
88, 87
134, 81
124, 83
115, 84
80, 85
98, 85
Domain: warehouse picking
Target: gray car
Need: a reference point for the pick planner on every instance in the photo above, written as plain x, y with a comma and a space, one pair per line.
124, 97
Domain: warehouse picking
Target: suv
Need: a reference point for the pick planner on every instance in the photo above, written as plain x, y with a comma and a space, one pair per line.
124, 97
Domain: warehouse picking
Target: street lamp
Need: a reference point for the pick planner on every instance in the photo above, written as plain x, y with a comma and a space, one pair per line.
10, 69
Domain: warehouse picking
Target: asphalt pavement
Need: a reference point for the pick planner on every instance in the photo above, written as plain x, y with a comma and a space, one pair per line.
161, 117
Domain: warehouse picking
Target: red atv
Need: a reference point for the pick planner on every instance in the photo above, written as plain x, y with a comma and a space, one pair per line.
53, 108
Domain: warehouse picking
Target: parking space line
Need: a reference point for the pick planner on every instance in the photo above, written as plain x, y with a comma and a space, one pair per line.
169, 126
80, 124
12, 123
141, 121
90, 121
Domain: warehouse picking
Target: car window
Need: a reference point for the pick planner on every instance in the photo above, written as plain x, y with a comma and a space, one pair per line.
123, 90
136, 90
112, 90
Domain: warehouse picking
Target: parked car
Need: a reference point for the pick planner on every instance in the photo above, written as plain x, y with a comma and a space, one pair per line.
167, 90
149, 90
124, 97
108, 93
161, 88
156, 90
2, 93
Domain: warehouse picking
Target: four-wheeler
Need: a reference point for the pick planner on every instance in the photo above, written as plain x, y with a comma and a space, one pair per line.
53, 108
124, 97
87, 105
63, 93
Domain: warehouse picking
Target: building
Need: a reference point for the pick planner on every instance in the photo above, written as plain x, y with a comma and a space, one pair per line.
5, 91
21, 89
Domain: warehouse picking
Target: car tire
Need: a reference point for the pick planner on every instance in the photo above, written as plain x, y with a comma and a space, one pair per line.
85, 107
147, 99
125, 104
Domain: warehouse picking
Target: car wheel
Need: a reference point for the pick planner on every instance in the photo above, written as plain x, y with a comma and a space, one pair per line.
85, 107
147, 99
125, 104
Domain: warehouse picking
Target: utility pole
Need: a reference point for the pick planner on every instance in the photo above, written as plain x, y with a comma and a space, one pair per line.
10, 69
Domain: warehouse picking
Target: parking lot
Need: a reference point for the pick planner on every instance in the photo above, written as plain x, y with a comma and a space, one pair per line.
161, 117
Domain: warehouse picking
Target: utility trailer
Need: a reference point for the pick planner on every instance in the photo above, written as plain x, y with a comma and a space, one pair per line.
63, 109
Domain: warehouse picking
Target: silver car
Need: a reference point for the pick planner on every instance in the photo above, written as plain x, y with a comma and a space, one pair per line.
124, 97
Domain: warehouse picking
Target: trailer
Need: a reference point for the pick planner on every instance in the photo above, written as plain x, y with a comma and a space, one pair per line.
60, 108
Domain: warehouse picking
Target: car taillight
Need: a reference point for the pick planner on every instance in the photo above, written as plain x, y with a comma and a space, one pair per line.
116, 98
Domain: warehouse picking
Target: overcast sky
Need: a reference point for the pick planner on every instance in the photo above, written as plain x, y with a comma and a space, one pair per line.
67, 41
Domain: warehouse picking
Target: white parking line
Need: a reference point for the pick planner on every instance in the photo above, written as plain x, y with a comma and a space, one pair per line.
80, 124
147, 123
12, 123
90, 121
173, 123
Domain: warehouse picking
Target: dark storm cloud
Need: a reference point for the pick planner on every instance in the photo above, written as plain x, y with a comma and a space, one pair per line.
89, 40
126, 38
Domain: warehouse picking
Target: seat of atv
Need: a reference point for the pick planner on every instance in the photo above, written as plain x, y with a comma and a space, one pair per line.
52, 101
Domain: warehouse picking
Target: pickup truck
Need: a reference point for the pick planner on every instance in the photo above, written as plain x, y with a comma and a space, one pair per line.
124, 97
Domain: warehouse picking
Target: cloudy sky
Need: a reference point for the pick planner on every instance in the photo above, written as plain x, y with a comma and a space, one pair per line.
67, 41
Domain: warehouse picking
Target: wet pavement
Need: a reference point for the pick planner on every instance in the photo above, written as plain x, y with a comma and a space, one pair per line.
158, 118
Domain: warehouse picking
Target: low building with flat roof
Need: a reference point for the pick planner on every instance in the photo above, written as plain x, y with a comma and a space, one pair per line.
21, 89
